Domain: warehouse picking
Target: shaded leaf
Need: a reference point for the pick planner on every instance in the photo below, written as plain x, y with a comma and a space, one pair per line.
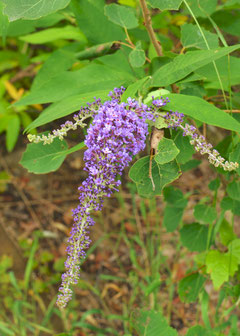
94, 24
12, 132
48, 35
185, 148
200, 7
235, 157
192, 37
233, 190
226, 233
190, 286
194, 237
172, 217
205, 213
137, 56
122, 16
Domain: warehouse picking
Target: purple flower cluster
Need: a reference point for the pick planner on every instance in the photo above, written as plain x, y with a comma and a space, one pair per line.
199, 142
118, 132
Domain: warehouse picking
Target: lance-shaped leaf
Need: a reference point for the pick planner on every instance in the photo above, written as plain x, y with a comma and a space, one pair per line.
183, 65
201, 110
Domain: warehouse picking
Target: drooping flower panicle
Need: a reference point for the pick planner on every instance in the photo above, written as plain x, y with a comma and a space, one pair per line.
175, 120
118, 132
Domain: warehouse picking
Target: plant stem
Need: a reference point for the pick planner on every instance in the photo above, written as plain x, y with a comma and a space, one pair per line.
148, 24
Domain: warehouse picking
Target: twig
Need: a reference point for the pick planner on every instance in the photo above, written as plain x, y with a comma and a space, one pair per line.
148, 24
232, 111
150, 168
204, 130
156, 137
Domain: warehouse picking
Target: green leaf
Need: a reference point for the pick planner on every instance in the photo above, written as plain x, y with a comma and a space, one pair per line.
137, 56
220, 266
190, 286
228, 68
166, 152
4, 24
183, 65
194, 237
52, 34
190, 165
228, 203
12, 132
172, 217
32, 9
185, 148
214, 184
42, 159
234, 249
199, 331
233, 190
162, 175
174, 197
191, 37
165, 4
65, 107
152, 323
199, 109
226, 233
71, 150
205, 213
59, 61
228, 21
174, 209
235, 157
94, 24
200, 7
122, 16
134, 88
85, 80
